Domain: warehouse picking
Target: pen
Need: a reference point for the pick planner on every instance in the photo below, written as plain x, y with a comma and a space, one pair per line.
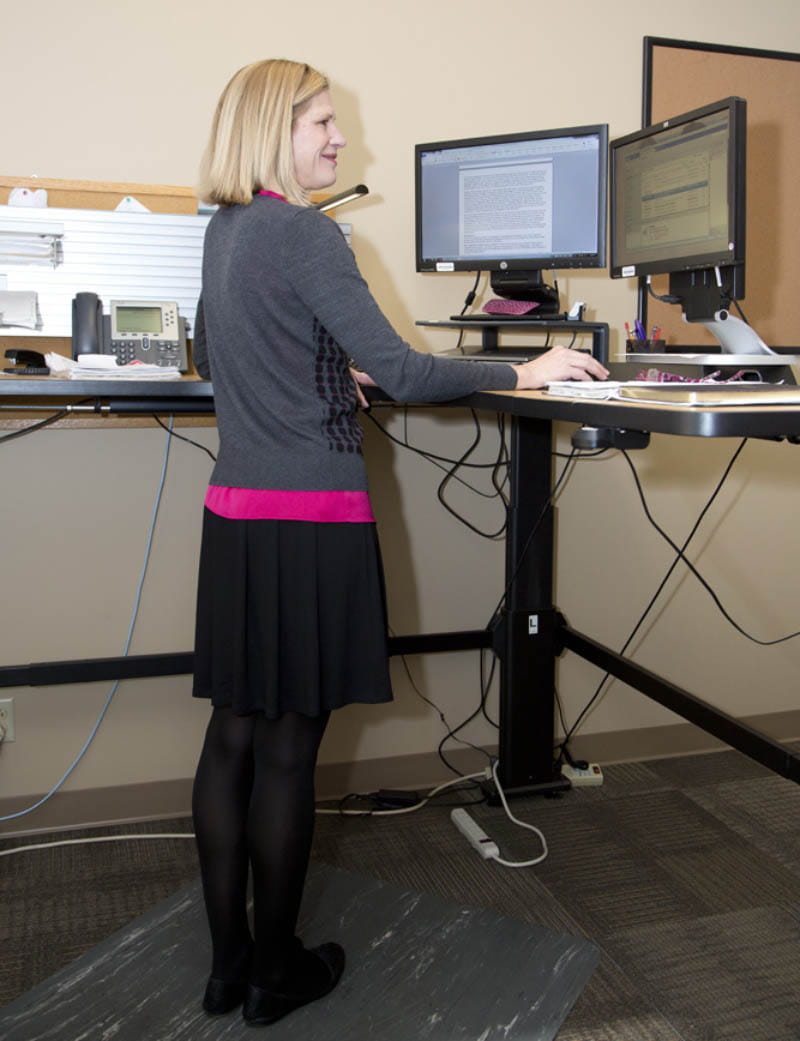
628, 331
640, 333
656, 332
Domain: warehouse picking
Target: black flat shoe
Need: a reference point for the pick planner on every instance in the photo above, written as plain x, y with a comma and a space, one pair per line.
223, 996
262, 1007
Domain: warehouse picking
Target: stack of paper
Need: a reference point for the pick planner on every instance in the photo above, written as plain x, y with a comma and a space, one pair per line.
688, 393
106, 367
584, 388
20, 308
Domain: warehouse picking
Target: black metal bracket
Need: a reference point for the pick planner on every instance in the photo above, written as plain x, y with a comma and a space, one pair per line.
590, 439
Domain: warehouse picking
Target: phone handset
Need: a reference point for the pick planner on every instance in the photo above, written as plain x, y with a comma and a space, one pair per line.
87, 324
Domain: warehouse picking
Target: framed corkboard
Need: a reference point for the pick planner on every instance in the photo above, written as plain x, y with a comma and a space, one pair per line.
680, 75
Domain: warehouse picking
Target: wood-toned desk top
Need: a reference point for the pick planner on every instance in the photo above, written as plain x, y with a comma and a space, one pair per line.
770, 421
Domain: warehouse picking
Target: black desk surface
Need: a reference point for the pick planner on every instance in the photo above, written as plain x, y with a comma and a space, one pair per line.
53, 387
692, 421
770, 421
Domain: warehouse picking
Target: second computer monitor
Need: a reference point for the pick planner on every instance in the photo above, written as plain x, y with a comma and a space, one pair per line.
678, 198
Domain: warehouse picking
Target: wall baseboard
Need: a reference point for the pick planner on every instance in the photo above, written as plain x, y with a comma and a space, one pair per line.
163, 800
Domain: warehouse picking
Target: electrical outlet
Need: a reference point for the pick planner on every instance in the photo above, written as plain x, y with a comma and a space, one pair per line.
592, 775
7, 718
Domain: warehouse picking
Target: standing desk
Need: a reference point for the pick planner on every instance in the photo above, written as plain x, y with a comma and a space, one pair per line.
527, 683
530, 634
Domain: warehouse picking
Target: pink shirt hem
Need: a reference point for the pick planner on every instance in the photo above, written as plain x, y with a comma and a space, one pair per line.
269, 504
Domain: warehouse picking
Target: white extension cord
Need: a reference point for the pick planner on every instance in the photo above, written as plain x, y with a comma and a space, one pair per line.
486, 846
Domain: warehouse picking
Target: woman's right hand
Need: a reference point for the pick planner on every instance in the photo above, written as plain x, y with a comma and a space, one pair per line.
559, 363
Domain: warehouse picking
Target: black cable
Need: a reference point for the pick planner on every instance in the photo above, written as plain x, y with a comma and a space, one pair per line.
502, 468
545, 507
665, 298
585, 455
61, 414
569, 732
500, 465
452, 734
469, 299
564, 727
378, 804
450, 730
181, 437
452, 472
486, 684
341, 806
724, 295
738, 307
432, 457
706, 585
680, 555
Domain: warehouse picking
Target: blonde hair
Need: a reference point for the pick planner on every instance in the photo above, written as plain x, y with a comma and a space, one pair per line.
250, 147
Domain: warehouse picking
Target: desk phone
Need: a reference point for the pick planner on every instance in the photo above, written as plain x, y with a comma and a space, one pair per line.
151, 331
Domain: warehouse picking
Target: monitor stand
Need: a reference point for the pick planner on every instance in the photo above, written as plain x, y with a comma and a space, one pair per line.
740, 348
734, 335
529, 286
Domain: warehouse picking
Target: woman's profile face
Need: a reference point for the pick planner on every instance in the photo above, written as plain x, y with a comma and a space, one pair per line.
315, 144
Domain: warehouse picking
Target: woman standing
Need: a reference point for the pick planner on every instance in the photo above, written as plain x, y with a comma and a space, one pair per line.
291, 620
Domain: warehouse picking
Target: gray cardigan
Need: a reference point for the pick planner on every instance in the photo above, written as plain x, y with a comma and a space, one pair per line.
283, 309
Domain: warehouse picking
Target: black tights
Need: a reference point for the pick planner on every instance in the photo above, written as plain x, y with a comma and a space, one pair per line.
253, 807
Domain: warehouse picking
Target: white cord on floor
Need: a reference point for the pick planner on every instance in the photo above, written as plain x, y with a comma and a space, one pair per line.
356, 813
190, 835
521, 824
95, 838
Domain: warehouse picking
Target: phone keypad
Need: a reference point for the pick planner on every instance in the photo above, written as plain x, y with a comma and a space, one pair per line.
155, 352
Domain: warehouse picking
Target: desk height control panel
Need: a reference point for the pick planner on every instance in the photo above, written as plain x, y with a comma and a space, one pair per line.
491, 328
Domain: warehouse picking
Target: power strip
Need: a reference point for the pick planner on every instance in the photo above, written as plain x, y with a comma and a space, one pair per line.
475, 835
592, 776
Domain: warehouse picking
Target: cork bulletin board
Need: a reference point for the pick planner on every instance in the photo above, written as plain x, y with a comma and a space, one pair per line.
679, 76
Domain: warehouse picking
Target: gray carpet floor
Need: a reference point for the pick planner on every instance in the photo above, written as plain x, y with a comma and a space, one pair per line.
684, 872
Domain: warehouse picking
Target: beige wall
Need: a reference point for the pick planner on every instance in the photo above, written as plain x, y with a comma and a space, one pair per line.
93, 91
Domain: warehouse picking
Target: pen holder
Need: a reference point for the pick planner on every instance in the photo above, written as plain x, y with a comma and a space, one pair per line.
645, 346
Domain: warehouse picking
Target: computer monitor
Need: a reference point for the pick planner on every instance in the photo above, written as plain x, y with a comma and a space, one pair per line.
678, 205
516, 205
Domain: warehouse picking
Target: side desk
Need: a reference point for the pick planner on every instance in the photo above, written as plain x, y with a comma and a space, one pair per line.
530, 634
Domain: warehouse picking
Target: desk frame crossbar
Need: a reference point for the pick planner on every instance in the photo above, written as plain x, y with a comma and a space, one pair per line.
140, 666
732, 731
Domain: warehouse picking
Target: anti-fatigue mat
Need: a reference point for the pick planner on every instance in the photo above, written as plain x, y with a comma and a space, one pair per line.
419, 968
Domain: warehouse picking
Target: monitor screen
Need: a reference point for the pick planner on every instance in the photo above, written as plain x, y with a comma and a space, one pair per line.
677, 199
522, 202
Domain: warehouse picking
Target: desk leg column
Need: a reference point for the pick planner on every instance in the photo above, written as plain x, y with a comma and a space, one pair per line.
528, 644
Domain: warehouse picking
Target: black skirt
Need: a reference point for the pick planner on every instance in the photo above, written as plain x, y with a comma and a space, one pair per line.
291, 616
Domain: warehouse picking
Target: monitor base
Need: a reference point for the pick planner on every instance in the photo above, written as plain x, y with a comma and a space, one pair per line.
733, 335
